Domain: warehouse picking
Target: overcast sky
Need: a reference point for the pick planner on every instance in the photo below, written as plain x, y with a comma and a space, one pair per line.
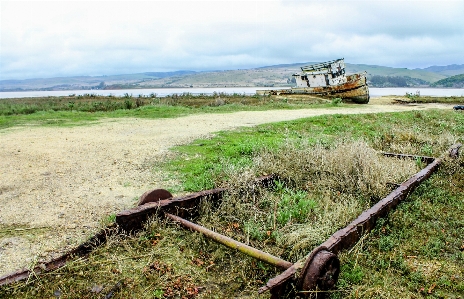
50, 39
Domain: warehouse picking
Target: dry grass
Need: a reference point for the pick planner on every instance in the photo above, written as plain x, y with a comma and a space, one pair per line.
320, 191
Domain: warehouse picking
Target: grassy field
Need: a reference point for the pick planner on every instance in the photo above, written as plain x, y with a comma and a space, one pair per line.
75, 110
78, 110
330, 171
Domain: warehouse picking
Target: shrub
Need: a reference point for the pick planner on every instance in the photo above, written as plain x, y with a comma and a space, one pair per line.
128, 104
336, 101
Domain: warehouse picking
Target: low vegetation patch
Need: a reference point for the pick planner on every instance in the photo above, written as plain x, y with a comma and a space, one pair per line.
7, 231
86, 108
329, 170
417, 98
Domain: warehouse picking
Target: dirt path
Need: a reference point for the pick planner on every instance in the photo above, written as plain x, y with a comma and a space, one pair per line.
58, 183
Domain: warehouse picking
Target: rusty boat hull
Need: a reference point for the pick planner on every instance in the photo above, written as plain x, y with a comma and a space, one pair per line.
355, 89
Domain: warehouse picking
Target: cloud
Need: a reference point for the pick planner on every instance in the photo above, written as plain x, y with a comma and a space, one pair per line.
45, 39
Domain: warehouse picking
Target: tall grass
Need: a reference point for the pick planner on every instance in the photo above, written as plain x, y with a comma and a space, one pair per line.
74, 110
319, 191
98, 103
84, 103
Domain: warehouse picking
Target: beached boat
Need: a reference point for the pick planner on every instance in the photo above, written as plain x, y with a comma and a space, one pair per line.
328, 79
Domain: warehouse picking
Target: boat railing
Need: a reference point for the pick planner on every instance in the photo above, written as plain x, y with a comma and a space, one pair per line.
319, 66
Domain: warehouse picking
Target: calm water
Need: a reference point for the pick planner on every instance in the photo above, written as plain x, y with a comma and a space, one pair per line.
161, 92
374, 92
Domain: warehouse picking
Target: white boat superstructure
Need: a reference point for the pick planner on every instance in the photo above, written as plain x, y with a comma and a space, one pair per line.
328, 73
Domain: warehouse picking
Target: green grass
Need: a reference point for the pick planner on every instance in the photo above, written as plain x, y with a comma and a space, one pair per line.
330, 173
418, 251
417, 98
419, 223
422, 133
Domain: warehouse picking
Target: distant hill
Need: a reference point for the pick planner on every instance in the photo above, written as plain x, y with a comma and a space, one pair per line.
395, 81
281, 75
85, 82
271, 76
447, 70
375, 70
454, 81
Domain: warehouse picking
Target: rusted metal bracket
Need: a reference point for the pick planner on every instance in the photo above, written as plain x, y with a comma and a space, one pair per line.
133, 219
348, 236
454, 150
185, 206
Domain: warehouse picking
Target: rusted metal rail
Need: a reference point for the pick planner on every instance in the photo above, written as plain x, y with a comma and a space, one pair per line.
299, 277
81, 250
131, 220
424, 159
346, 237
185, 206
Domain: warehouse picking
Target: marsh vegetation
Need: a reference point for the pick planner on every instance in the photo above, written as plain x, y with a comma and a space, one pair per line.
71, 110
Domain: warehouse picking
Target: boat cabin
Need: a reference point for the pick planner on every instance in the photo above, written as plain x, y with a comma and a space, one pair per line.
328, 73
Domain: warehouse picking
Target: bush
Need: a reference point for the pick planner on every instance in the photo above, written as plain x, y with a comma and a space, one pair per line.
336, 101
128, 104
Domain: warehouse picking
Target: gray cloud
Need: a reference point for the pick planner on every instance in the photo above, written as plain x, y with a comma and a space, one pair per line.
46, 39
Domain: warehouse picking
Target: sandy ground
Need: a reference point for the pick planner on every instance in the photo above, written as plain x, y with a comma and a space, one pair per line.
57, 184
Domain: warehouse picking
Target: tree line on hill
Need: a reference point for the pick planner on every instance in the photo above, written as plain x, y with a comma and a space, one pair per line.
395, 81
405, 81
454, 81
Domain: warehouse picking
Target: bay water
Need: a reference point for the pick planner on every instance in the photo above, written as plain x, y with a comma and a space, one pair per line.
162, 92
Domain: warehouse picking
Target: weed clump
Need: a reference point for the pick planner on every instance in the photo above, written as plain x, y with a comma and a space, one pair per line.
351, 168
336, 101
319, 191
